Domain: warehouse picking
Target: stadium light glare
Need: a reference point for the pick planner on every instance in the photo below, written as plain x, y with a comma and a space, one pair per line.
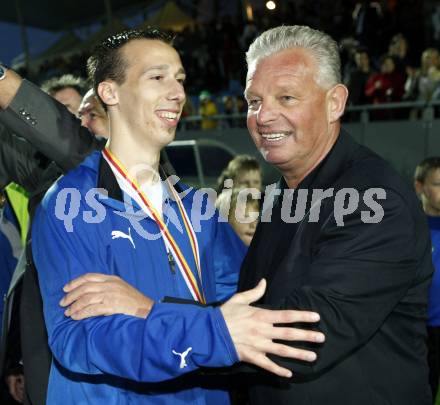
271, 5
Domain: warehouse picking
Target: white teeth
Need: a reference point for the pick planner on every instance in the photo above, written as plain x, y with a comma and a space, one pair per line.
274, 137
168, 115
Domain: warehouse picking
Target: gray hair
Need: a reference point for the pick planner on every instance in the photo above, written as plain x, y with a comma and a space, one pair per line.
324, 49
56, 84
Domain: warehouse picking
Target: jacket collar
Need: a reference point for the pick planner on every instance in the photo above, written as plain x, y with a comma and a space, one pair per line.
106, 180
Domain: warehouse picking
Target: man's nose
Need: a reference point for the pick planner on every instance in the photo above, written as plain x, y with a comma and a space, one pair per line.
267, 113
84, 121
177, 93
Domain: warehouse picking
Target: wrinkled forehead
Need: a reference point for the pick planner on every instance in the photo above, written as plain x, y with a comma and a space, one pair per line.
248, 174
288, 65
292, 61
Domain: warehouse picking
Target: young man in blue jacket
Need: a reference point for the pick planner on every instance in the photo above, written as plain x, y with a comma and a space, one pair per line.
114, 215
427, 186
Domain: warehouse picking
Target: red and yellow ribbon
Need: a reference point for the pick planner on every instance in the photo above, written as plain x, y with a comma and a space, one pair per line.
182, 264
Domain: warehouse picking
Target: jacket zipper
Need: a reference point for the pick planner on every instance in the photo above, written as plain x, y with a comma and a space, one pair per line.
171, 262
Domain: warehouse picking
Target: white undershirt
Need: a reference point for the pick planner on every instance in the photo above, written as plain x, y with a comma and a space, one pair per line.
156, 192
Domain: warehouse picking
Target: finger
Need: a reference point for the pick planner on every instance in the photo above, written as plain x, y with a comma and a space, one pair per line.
86, 288
93, 277
265, 363
90, 311
84, 301
294, 334
289, 352
286, 316
249, 296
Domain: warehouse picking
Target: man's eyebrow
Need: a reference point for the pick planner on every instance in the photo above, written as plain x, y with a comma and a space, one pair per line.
248, 93
164, 67
158, 67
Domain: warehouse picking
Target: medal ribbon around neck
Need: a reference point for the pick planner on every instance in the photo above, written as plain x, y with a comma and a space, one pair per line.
182, 264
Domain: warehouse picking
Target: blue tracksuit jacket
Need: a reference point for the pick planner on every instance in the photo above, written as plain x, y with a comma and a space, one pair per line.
434, 290
122, 359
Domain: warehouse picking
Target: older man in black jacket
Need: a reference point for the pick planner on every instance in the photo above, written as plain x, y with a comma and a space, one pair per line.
344, 235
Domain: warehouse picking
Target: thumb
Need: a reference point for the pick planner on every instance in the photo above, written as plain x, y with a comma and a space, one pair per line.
249, 296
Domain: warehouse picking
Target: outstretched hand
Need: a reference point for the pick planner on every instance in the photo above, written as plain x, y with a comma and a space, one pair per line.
95, 294
253, 331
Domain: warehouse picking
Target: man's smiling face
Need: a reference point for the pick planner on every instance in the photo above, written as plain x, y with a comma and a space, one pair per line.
152, 96
287, 113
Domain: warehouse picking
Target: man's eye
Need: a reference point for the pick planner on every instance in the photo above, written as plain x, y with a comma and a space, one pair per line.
287, 98
253, 103
159, 77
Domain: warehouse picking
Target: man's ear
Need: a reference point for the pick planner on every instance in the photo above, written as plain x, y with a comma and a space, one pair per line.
108, 92
336, 100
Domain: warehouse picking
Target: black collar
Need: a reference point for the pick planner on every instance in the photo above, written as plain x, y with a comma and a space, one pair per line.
107, 181
323, 175
339, 159
330, 167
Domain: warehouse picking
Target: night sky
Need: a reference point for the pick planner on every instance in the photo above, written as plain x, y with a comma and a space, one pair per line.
39, 40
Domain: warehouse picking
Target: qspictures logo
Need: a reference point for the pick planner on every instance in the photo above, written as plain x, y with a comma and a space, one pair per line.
294, 205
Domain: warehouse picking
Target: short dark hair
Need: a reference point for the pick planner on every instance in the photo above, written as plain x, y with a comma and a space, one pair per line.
107, 62
56, 84
425, 166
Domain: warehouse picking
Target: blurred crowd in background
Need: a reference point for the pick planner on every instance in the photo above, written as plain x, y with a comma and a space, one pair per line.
390, 53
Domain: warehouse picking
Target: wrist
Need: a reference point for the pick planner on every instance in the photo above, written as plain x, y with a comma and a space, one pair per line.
3, 70
10, 82
144, 310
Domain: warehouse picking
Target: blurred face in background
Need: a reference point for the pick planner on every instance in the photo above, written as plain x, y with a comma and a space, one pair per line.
430, 59
244, 219
399, 46
362, 60
93, 116
429, 192
388, 65
248, 179
70, 98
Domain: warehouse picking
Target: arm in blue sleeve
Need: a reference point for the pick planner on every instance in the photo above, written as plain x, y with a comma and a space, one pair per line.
134, 348
228, 254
